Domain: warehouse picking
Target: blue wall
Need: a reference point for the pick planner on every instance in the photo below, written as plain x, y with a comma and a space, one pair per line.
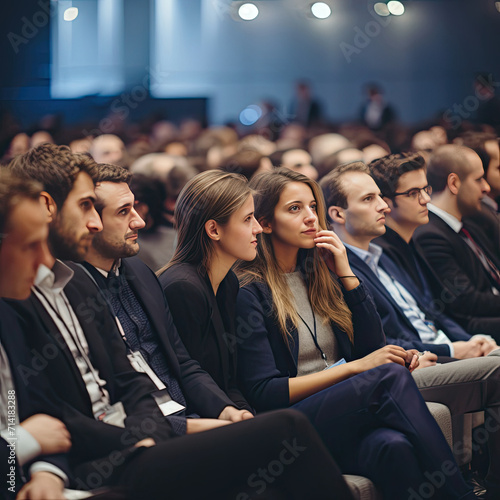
424, 59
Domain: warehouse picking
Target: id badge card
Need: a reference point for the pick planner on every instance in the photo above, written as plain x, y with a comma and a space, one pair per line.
140, 365
339, 362
114, 415
166, 404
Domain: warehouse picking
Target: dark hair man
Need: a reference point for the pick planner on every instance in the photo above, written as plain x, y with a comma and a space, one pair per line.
68, 195
136, 298
407, 316
108, 407
358, 214
469, 273
31, 440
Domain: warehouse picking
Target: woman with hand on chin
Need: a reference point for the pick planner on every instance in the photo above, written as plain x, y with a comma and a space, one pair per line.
216, 226
310, 338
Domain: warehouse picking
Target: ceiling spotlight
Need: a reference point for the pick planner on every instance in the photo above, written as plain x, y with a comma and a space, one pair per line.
70, 14
396, 8
248, 11
381, 9
321, 10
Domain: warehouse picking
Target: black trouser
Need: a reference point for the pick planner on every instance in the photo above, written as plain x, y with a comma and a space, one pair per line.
275, 455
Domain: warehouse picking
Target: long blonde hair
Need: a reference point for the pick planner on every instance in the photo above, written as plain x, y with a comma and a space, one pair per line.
324, 292
210, 195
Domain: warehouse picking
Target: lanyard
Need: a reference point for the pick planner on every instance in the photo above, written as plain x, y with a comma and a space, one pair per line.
73, 333
110, 307
315, 336
136, 358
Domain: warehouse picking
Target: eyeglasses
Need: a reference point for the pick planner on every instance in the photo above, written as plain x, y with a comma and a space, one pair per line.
415, 192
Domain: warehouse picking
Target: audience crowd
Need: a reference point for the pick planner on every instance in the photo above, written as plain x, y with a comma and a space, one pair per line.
191, 312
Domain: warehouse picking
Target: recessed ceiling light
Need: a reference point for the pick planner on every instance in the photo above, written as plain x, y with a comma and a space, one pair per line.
70, 14
248, 11
321, 10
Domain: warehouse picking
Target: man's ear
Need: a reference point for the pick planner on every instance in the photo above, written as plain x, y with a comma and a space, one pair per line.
453, 183
212, 229
50, 205
336, 214
266, 226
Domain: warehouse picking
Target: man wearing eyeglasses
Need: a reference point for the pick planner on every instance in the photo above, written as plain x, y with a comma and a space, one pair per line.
359, 213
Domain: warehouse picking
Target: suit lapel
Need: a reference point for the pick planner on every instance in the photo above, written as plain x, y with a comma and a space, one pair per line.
53, 336
376, 284
154, 309
399, 275
369, 276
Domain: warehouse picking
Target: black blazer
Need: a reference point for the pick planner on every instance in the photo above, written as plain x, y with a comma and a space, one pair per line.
33, 394
266, 361
465, 286
409, 257
206, 323
202, 394
91, 438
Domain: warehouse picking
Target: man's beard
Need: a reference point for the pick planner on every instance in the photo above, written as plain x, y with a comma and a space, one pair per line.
64, 242
467, 209
113, 250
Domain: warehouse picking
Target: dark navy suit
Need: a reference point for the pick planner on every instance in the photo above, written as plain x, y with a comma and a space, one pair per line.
397, 327
375, 424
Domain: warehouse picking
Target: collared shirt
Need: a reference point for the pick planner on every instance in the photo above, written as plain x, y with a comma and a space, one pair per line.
27, 447
49, 289
451, 220
403, 298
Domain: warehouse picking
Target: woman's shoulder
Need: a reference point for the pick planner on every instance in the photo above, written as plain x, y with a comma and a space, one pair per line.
182, 276
179, 272
255, 287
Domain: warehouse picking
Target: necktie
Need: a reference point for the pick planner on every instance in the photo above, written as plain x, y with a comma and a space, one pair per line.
485, 261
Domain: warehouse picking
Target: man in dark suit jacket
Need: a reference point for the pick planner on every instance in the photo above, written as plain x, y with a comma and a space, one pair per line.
358, 215
119, 435
402, 180
32, 439
409, 315
137, 299
469, 273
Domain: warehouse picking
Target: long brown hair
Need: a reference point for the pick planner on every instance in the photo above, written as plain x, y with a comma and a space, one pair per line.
324, 292
210, 195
